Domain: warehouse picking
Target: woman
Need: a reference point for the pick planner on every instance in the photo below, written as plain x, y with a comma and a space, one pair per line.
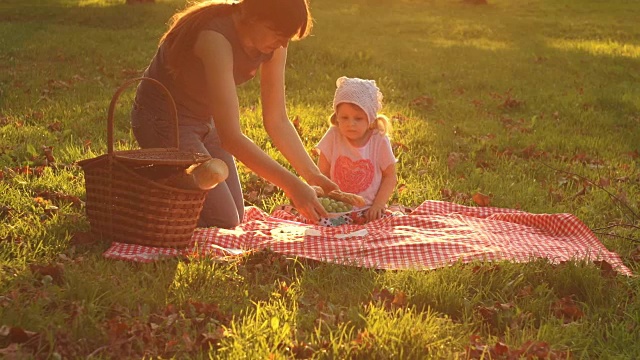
208, 50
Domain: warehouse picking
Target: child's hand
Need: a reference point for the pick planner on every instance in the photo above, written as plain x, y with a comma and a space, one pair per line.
375, 212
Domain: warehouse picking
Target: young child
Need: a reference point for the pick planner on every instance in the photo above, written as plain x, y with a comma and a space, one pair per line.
355, 152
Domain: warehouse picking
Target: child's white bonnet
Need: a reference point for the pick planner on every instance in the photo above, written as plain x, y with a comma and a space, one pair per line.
360, 92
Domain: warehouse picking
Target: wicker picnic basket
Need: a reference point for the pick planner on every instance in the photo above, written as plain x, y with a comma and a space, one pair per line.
126, 201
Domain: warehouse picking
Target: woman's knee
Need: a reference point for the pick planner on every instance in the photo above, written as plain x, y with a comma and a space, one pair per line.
220, 209
221, 219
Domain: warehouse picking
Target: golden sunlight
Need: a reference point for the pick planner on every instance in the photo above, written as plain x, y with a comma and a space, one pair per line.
595, 47
480, 43
99, 3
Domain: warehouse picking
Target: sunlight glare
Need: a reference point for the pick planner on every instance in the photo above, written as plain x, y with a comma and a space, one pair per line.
479, 43
596, 47
99, 3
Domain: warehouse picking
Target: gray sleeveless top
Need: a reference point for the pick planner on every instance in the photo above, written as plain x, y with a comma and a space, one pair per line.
189, 90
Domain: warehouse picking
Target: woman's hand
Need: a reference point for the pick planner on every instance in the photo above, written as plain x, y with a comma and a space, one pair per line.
375, 212
304, 199
324, 182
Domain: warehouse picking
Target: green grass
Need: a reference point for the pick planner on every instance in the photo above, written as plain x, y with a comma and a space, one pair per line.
531, 102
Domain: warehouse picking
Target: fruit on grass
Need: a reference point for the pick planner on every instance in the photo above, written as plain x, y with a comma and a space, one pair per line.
335, 206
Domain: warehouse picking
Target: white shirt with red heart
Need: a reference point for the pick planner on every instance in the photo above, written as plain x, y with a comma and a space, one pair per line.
357, 170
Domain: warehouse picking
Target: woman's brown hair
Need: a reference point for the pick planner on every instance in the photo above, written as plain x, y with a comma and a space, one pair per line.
289, 18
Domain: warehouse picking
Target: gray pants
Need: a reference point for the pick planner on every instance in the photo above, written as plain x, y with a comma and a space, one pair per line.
224, 205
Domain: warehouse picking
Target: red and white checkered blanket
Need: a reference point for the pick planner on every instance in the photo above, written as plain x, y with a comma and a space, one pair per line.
433, 235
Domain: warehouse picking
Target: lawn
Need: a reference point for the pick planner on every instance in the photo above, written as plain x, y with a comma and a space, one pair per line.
534, 104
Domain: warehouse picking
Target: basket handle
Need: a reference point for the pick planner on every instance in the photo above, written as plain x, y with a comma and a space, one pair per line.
112, 106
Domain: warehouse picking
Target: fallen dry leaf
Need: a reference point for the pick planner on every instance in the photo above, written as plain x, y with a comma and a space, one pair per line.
481, 199
567, 309
423, 101
16, 335
56, 271
606, 269
400, 299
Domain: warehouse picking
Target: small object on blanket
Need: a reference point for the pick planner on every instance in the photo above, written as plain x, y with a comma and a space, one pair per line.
290, 213
344, 218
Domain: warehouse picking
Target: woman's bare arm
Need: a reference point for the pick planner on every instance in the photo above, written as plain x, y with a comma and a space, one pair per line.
216, 54
278, 126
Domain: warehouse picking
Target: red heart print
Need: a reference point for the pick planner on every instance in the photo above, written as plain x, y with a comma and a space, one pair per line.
353, 176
